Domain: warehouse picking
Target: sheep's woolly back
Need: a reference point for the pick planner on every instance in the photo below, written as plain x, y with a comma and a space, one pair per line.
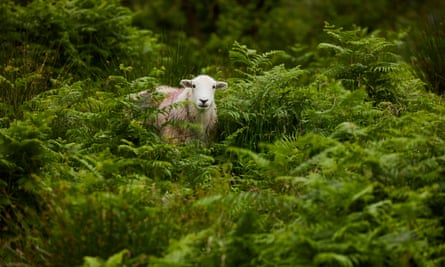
171, 95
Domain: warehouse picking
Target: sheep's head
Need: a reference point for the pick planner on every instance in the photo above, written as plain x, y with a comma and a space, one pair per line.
203, 90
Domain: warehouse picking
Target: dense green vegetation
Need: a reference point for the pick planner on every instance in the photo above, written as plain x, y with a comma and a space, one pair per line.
330, 148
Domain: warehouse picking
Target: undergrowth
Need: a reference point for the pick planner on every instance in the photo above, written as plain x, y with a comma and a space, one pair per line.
337, 165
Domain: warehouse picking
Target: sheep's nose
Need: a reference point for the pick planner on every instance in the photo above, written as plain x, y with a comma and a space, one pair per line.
203, 101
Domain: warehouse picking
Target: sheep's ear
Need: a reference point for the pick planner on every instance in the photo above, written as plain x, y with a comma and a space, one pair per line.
186, 83
221, 85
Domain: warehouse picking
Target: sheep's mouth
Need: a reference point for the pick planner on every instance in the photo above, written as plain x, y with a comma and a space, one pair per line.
203, 106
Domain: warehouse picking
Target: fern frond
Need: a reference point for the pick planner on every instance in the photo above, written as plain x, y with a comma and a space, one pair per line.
386, 67
253, 62
337, 48
331, 258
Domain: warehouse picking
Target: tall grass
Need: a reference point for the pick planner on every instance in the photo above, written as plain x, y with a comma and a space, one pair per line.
426, 44
29, 70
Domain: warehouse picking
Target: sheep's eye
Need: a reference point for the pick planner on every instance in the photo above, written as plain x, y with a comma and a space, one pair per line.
193, 85
214, 86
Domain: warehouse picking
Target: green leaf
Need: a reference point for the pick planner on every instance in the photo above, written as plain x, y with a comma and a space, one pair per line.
117, 259
330, 258
93, 262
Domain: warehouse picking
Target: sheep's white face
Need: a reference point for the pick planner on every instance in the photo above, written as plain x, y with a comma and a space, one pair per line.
203, 90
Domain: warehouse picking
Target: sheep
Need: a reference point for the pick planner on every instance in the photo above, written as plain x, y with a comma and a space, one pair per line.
189, 112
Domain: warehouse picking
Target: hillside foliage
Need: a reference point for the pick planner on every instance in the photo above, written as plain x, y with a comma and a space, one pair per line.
330, 154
